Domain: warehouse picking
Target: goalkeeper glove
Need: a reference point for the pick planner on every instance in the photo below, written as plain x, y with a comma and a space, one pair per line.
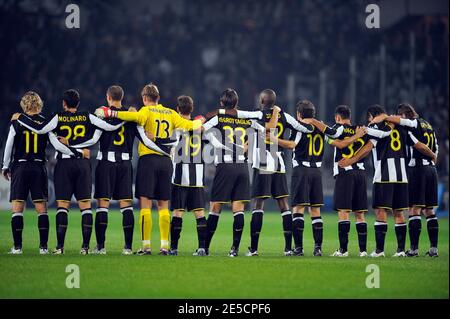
105, 112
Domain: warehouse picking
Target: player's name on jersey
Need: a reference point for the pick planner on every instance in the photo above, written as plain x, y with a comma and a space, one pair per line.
232, 120
269, 115
426, 125
162, 111
349, 130
75, 118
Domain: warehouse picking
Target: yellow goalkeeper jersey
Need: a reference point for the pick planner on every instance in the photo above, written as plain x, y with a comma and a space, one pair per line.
158, 120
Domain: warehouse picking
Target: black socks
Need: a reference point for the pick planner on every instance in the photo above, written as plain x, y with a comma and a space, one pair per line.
361, 229
238, 227
61, 226
415, 228
343, 230
317, 227
43, 226
175, 231
287, 229
255, 228
101, 223
380, 235
433, 230
17, 228
298, 224
211, 226
128, 225
86, 226
201, 231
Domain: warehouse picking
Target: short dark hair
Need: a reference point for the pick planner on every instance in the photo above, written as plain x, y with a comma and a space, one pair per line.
408, 110
229, 98
151, 91
375, 110
268, 98
306, 109
115, 92
185, 104
72, 98
343, 111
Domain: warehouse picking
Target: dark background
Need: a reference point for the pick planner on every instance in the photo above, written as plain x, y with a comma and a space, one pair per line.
315, 49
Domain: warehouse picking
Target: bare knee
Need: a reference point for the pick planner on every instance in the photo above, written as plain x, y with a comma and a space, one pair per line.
399, 217
199, 213
344, 215
215, 207
258, 203
41, 207
360, 217
178, 213
283, 204
314, 211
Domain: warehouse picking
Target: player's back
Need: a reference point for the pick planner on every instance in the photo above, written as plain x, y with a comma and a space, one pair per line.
348, 151
233, 133
118, 143
28, 146
188, 162
161, 122
424, 133
309, 149
390, 153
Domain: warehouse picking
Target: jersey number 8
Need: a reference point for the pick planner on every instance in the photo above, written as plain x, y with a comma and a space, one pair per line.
78, 131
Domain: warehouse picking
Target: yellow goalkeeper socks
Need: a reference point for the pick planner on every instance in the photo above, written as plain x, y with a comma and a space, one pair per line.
164, 227
145, 223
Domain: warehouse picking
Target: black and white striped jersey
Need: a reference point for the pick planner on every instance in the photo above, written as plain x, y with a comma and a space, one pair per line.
389, 152
25, 145
233, 133
188, 166
308, 150
116, 146
77, 127
420, 130
347, 131
266, 155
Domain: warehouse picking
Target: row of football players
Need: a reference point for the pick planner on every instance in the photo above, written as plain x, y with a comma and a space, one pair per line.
231, 182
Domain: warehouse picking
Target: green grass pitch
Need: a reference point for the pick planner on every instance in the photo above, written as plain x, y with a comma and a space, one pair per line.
270, 275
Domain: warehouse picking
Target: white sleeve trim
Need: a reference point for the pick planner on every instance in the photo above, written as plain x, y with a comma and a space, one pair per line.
103, 124
296, 124
148, 142
91, 141
47, 128
258, 115
339, 132
60, 147
409, 123
378, 133
214, 141
413, 138
211, 123
258, 126
9, 147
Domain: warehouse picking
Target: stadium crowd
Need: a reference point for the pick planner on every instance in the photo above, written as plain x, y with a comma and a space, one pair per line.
205, 46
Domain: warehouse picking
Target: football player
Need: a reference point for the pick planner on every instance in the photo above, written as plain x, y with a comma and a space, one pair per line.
231, 180
422, 177
114, 171
154, 171
350, 191
388, 144
24, 164
269, 170
72, 176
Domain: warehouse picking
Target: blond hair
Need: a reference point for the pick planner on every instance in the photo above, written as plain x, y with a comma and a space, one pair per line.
31, 102
151, 91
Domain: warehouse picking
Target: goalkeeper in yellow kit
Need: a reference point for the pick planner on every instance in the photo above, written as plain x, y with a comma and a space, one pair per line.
154, 171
